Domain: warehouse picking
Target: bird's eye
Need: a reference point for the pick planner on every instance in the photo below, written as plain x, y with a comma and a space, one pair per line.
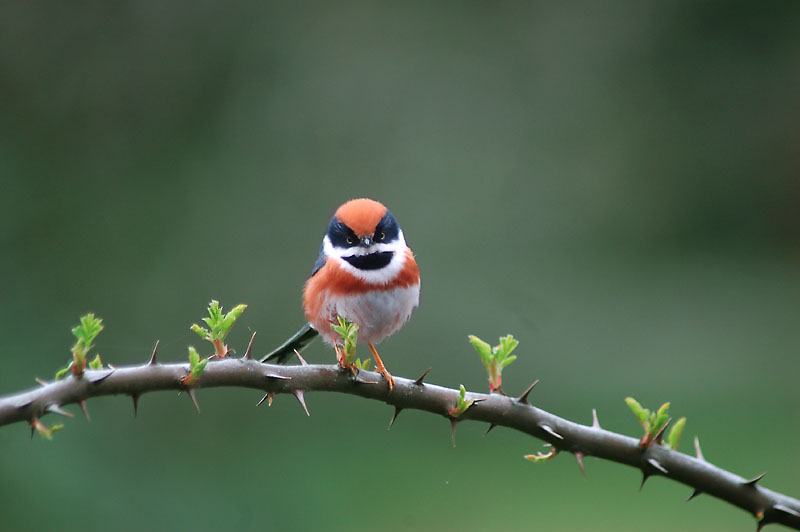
382, 236
349, 241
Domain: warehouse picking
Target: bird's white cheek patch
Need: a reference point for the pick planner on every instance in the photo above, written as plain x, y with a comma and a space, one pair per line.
379, 276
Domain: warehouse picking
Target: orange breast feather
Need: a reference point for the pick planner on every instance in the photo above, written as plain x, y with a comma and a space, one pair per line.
332, 280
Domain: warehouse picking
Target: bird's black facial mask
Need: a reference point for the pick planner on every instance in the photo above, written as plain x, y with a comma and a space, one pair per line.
387, 229
340, 235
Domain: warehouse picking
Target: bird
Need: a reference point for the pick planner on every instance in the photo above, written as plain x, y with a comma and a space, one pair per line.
365, 273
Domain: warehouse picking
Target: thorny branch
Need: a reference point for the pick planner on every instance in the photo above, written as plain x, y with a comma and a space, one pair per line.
496, 409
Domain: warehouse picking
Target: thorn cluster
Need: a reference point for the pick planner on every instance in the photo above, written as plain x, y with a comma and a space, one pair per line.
652, 453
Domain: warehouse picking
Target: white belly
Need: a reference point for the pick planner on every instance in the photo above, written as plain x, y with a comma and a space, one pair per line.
378, 314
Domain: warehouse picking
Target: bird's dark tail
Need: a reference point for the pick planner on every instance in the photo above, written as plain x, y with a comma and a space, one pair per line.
298, 341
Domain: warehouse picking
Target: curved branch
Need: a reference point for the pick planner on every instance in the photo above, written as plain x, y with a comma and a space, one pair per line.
498, 410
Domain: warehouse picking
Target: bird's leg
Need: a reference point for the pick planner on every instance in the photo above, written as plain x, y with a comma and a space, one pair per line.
380, 367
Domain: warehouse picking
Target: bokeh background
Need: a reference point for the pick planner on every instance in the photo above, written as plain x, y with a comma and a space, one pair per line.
616, 183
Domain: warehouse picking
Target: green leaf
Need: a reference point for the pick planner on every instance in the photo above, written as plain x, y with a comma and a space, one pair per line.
231, 317
508, 361
483, 349
462, 404
48, 433
348, 331
85, 333
202, 332
642, 414
495, 358
661, 417
194, 357
219, 326
675, 433
88, 329
196, 366
96, 363
542, 457
61, 373
44, 431
214, 312
507, 345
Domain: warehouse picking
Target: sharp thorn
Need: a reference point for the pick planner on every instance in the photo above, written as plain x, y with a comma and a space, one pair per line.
595, 422
489, 428
658, 438
19, 405
421, 378
753, 481
453, 423
249, 348
524, 397
697, 450
694, 494
645, 476
473, 403
360, 380
33, 427
135, 398
82, 404
300, 395
657, 465
579, 458
41, 382
786, 510
99, 375
267, 397
193, 397
55, 409
548, 429
276, 376
153, 361
302, 360
397, 411
761, 522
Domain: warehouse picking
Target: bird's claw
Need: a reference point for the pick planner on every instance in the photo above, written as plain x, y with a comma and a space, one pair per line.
389, 378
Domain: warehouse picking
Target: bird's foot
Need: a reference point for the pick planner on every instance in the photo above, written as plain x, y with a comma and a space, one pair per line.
388, 377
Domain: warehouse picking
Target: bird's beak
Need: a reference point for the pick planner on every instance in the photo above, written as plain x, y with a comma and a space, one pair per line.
367, 241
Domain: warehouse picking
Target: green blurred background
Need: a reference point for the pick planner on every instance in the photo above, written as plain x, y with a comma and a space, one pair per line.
616, 183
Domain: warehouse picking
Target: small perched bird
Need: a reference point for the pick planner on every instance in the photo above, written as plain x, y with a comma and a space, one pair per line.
364, 273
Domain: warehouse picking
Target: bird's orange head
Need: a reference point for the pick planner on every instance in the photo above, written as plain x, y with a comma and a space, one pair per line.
361, 215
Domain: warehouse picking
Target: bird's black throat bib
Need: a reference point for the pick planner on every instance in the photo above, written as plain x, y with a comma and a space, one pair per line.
373, 261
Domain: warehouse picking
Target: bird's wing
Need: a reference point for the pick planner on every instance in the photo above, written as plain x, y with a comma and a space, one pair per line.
320, 260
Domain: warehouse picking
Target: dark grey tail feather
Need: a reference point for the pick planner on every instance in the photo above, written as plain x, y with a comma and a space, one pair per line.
298, 341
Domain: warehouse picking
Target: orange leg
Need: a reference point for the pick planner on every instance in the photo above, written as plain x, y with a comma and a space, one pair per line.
381, 368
